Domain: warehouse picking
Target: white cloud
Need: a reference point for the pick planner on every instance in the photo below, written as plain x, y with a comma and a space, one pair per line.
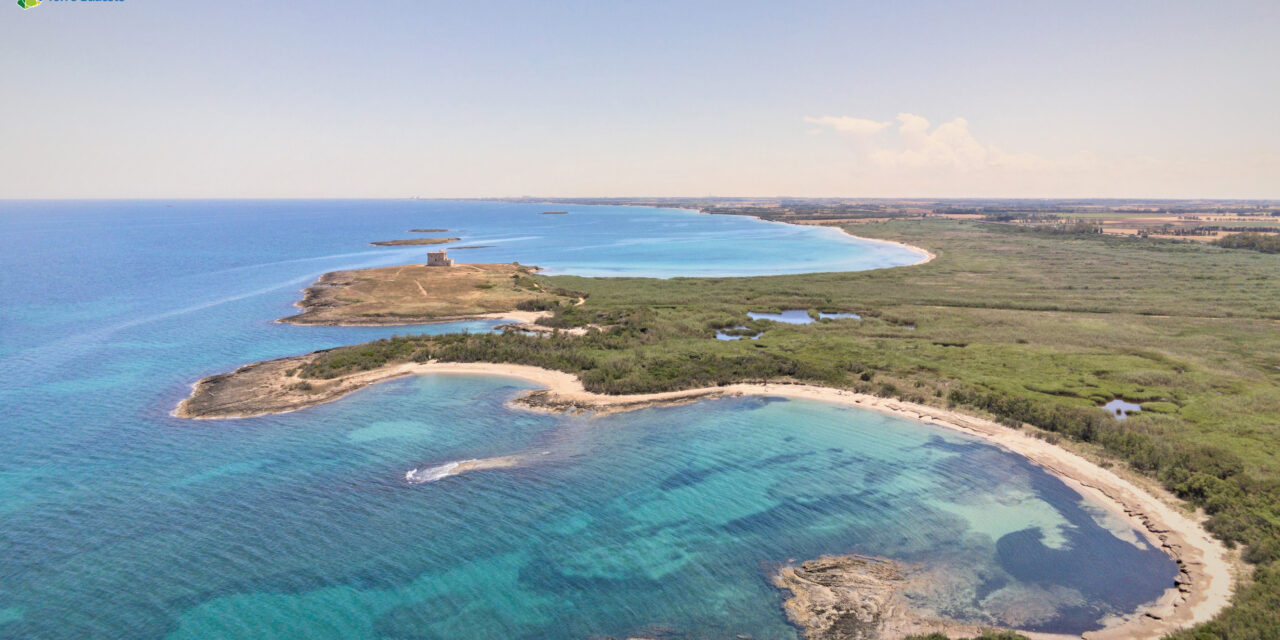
949, 145
913, 157
853, 126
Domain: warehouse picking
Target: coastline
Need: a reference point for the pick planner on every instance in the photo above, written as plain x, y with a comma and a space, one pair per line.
524, 317
1205, 582
928, 255
1207, 570
1203, 561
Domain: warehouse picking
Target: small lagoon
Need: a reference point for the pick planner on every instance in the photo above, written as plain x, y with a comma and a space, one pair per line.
1120, 409
737, 333
839, 316
790, 316
800, 316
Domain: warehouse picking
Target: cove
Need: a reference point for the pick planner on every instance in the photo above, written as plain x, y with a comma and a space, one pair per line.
663, 518
302, 524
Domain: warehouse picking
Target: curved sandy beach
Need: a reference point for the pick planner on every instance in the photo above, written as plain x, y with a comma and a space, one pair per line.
928, 255
1207, 570
1203, 587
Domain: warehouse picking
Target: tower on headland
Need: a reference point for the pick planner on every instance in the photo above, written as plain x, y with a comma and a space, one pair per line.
439, 259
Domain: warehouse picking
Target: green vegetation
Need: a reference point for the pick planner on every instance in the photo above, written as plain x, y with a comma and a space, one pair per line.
1074, 226
1027, 326
1264, 242
1172, 218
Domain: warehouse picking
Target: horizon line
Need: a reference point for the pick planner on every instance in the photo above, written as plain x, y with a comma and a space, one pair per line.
716, 197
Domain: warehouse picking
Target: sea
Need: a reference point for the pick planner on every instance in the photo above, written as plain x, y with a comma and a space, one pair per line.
118, 520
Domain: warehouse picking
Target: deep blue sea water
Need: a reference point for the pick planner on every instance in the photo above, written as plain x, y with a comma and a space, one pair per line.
120, 521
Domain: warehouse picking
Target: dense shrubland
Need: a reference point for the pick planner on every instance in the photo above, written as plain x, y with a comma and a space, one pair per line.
1264, 242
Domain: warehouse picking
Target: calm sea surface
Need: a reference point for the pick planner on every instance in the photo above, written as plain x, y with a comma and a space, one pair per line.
119, 521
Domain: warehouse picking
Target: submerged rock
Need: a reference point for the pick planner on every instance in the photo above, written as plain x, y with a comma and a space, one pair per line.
840, 597
856, 597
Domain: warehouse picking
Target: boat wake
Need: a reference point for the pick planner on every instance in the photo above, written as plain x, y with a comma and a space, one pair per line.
439, 472
432, 474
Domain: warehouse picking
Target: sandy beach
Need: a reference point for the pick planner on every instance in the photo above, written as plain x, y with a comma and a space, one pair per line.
928, 255
1203, 587
523, 317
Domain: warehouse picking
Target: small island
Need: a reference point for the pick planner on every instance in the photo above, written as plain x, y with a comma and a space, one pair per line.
554, 213
410, 242
428, 231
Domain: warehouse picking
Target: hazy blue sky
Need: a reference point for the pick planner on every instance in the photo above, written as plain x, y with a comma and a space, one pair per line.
186, 98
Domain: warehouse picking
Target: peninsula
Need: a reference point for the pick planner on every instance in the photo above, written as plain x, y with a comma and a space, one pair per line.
992, 337
418, 293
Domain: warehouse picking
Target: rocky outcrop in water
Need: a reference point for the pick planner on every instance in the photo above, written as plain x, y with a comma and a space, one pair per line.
856, 597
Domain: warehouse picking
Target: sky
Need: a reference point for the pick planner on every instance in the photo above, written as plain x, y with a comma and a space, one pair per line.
201, 99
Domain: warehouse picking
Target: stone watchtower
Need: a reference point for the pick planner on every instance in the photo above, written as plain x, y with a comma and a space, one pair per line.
439, 259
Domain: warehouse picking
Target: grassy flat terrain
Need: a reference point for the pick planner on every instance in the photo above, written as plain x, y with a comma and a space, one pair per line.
417, 293
1027, 326
411, 242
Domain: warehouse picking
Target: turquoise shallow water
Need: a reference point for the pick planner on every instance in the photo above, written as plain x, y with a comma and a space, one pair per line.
119, 521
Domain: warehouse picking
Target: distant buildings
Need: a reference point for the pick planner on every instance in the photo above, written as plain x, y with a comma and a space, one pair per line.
439, 259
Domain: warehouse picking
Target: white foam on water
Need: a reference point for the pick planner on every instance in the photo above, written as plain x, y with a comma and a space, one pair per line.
440, 472
432, 474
